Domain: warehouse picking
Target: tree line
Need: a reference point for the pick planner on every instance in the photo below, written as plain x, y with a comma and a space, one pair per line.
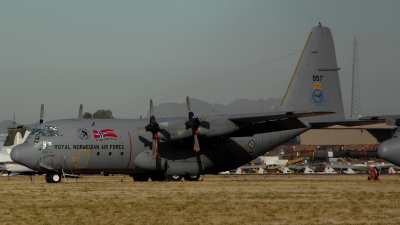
99, 114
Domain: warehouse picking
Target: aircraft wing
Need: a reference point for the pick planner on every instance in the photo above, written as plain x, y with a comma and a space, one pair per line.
388, 119
343, 166
252, 167
359, 167
264, 166
385, 166
256, 123
18, 169
347, 123
275, 115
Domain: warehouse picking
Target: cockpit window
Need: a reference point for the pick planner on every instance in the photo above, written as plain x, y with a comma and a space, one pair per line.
54, 131
48, 131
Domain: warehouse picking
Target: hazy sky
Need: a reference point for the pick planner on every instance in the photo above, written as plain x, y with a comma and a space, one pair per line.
118, 54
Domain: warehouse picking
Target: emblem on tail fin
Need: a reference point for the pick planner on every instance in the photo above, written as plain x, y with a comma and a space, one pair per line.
317, 94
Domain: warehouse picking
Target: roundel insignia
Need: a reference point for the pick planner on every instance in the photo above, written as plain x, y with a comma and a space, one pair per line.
317, 96
83, 134
251, 144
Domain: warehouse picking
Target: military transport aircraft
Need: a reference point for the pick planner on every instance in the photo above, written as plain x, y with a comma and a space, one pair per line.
172, 148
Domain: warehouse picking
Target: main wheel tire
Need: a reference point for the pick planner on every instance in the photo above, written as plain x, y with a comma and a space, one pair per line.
174, 177
157, 177
192, 177
140, 177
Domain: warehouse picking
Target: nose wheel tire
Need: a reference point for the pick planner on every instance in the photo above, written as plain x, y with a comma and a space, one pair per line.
52, 177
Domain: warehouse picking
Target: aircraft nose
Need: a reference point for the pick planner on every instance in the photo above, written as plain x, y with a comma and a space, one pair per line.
389, 150
24, 154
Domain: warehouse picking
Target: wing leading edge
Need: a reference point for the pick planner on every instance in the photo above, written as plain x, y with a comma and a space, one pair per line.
276, 115
256, 123
347, 123
388, 119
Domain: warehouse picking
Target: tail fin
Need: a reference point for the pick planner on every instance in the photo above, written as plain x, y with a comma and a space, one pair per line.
315, 83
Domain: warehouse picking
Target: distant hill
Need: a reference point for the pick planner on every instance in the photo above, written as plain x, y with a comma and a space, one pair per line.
200, 107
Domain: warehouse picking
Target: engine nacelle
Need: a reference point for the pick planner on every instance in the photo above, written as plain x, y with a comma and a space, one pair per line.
147, 161
219, 126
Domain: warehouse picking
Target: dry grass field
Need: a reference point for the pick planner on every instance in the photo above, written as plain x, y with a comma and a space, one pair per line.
223, 199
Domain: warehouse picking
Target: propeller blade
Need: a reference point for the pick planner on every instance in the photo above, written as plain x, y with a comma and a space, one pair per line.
80, 115
154, 128
145, 141
155, 151
41, 113
203, 117
180, 131
152, 118
196, 145
194, 123
154, 147
188, 106
165, 133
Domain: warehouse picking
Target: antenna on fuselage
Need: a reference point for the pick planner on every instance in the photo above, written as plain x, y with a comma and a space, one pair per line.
80, 115
13, 122
41, 114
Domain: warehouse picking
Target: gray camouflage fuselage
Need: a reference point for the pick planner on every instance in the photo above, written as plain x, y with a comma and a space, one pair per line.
76, 149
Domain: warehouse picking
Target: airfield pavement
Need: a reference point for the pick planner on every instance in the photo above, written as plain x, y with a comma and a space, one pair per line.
217, 199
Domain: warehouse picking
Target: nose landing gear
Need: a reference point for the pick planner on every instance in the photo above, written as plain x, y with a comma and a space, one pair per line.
53, 177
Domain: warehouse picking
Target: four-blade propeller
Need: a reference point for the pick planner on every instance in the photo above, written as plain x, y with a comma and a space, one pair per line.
154, 128
194, 123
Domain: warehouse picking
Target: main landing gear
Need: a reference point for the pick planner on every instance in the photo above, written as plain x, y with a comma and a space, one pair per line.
192, 177
174, 178
140, 177
161, 177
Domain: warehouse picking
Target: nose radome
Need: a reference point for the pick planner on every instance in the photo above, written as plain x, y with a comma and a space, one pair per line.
16, 154
24, 154
389, 150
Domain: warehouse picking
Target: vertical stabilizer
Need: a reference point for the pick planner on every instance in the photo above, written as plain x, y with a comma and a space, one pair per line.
315, 83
